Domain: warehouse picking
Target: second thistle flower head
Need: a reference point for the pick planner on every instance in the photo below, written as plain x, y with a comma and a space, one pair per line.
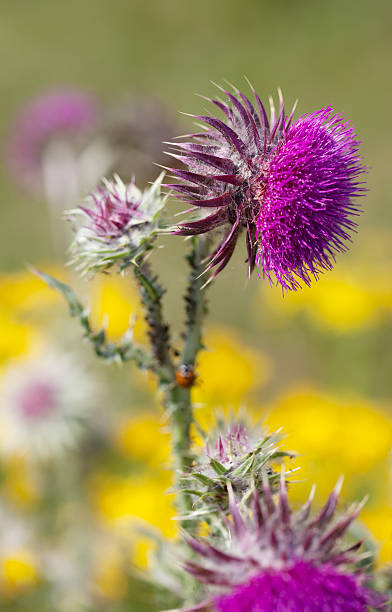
288, 185
276, 559
119, 225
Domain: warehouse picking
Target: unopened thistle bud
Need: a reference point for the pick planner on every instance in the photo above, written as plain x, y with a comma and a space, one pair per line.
118, 225
235, 456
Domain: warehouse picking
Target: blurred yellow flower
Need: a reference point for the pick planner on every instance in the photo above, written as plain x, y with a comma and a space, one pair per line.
20, 484
143, 548
340, 301
143, 438
332, 436
114, 304
228, 369
18, 571
123, 500
109, 574
379, 521
16, 338
23, 291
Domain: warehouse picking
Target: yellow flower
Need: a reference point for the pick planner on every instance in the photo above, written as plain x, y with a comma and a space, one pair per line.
143, 548
16, 338
109, 575
20, 485
23, 291
114, 304
18, 571
379, 521
123, 500
332, 436
142, 437
228, 369
340, 301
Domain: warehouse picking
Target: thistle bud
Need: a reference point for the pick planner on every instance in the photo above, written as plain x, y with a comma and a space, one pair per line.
118, 225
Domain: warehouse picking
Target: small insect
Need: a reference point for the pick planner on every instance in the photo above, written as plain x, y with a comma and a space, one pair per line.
185, 375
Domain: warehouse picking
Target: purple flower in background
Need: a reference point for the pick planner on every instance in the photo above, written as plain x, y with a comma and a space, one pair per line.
58, 114
275, 559
288, 185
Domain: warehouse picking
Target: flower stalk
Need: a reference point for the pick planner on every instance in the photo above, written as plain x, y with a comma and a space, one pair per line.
179, 398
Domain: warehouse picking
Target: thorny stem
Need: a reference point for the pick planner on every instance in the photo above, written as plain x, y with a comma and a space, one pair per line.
151, 294
179, 398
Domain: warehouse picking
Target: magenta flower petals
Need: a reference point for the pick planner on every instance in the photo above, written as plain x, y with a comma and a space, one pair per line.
288, 185
307, 213
303, 587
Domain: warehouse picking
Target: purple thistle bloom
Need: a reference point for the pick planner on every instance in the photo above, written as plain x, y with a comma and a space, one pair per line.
62, 113
288, 185
303, 587
275, 559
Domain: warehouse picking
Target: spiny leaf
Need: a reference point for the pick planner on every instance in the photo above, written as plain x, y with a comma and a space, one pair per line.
75, 307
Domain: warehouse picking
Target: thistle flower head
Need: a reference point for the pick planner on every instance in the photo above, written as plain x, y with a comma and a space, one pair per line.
61, 114
277, 559
44, 401
288, 185
234, 456
119, 225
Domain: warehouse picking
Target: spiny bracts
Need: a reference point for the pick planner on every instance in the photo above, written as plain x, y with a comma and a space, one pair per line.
119, 225
276, 559
288, 185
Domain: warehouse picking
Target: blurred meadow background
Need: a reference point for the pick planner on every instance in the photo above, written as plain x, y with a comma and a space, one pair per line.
317, 362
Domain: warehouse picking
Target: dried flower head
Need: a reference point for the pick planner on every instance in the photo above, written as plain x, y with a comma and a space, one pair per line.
58, 115
288, 185
233, 455
275, 559
119, 225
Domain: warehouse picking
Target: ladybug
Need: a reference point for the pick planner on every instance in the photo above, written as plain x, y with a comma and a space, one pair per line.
185, 376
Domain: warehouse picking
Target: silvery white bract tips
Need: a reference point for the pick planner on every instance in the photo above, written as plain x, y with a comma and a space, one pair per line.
117, 226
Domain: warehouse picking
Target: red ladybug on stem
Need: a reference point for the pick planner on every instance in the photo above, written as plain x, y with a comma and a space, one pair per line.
185, 376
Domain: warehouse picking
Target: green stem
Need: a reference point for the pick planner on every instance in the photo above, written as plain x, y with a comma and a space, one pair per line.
179, 397
158, 329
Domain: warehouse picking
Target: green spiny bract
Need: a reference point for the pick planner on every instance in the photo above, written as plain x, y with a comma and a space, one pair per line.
233, 455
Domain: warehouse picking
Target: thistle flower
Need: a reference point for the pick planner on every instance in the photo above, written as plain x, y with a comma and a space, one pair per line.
118, 227
288, 185
58, 115
275, 559
237, 457
43, 403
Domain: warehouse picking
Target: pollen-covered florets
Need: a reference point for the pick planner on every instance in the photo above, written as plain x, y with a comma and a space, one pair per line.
119, 224
270, 551
288, 185
234, 455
